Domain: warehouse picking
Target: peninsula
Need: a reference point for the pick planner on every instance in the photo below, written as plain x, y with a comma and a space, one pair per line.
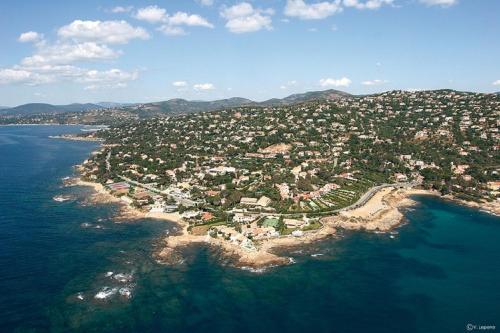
253, 178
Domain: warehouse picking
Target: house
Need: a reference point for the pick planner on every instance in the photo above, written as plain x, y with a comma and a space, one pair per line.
128, 200
293, 223
221, 170
400, 177
142, 196
171, 208
467, 178
157, 207
243, 218
494, 186
207, 216
118, 186
263, 201
190, 214
459, 169
248, 201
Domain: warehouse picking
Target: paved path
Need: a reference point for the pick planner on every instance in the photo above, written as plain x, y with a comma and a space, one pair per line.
360, 202
182, 201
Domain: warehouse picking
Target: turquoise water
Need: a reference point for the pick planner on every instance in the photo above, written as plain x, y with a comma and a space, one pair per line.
438, 274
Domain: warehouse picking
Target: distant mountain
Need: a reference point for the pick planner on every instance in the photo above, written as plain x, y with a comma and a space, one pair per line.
308, 96
176, 106
172, 106
113, 104
42, 108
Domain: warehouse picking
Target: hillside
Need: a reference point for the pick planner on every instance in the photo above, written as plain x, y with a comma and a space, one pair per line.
113, 104
43, 108
172, 106
310, 158
178, 106
182, 106
330, 94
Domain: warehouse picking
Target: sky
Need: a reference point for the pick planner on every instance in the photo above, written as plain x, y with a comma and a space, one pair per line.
70, 51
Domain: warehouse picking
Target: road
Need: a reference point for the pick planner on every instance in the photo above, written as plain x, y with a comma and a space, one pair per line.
108, 165
182, 201
371, 192
360, 202
189, 203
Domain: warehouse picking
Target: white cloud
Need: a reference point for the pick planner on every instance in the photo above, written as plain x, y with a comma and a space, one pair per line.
375, 82
113, 78
242, 18
151, 14
179, 84
172, 31
496, 83
30, 36
442, 3
94, 79
205, 2
171, 23
342, 82
10, 75
122, 9
315, 11
181, 18
62, 53
370, 4
203, 86
78, 41
111, 32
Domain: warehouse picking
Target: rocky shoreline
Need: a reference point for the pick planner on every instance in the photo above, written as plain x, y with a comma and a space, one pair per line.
381, 213
72, 137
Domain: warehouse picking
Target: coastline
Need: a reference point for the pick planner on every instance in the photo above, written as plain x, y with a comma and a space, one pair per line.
101, 196
48, 124
76, 138
381, 213
492, 207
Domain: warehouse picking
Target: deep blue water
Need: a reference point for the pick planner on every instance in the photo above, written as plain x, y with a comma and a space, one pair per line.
440, 272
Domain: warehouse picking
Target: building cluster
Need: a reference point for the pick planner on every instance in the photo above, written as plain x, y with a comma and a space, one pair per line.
238, 165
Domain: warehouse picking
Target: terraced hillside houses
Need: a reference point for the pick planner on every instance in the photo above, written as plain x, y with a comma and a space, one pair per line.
244, 164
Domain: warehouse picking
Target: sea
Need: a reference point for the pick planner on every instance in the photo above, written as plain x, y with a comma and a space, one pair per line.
68, 266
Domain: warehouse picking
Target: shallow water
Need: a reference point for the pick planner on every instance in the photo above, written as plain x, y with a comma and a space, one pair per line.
437, 274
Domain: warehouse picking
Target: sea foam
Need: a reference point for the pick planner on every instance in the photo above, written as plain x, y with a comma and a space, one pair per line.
106, 292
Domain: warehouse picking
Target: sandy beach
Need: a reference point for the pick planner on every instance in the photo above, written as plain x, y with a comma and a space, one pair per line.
380, 213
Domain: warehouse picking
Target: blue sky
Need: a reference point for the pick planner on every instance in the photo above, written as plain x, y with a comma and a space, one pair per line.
137, 51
